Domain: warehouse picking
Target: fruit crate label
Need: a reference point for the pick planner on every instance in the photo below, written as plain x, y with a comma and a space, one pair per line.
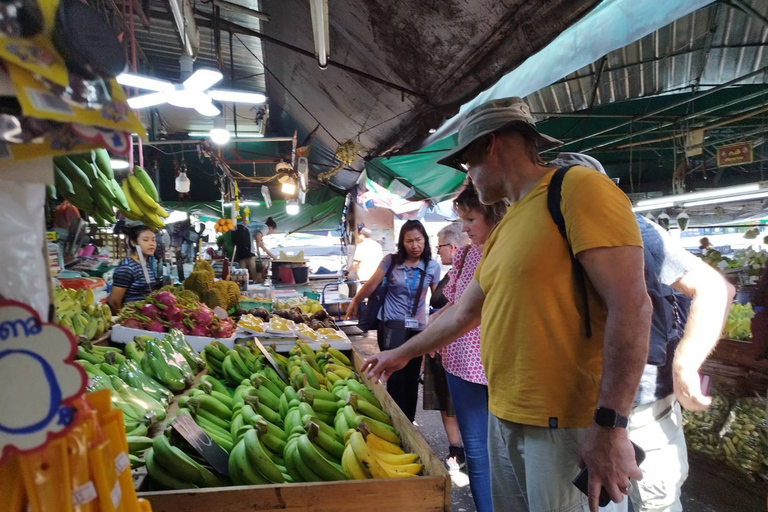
86, 493
37, 362
121, 462
202, 443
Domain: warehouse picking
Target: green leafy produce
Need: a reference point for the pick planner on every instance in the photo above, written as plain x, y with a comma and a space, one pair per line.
702, 428
744, 442
738, 325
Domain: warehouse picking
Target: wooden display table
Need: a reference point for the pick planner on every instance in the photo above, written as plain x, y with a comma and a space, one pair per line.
428, 493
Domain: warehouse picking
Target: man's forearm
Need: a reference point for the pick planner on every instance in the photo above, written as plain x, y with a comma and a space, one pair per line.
442, 332
625, 352
710, 297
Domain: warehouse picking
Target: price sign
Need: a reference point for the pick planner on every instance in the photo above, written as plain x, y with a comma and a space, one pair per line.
41, 379
202, 443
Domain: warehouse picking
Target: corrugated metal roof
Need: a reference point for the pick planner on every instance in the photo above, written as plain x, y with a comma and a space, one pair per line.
708, 47
162, 46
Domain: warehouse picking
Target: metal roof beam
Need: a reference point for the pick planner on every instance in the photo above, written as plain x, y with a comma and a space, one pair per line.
664, 109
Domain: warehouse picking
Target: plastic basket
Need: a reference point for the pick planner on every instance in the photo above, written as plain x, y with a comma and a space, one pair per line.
253, 304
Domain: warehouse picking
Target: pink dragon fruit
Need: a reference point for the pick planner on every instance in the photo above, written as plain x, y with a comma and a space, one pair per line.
173, 314
132, 323
201, 315
150, 310
164, 299
155, 326
198, 330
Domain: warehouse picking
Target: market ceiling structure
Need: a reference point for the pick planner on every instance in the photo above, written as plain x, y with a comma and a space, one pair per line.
394, 70
632, 107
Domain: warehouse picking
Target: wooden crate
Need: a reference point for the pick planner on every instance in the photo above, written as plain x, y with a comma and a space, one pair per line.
428, 493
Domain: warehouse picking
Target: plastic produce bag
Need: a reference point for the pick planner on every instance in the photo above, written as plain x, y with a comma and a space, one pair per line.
744, 443
702, 429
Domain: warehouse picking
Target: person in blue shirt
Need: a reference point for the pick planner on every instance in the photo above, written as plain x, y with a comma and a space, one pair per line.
405, 288
129, 283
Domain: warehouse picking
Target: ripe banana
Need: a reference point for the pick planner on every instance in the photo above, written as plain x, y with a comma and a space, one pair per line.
352, 467
365, 456
393, 459
400, 470
380, 445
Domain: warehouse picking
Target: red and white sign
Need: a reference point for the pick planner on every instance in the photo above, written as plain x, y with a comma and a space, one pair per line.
734, 154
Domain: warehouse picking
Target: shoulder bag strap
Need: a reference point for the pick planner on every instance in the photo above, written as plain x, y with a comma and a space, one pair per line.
554, 196
417, 298
386, 285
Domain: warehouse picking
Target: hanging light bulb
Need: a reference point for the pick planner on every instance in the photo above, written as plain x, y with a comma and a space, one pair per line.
219, 133
663, 220
682, 221
288, 185
292, 208
182, 183
118, 164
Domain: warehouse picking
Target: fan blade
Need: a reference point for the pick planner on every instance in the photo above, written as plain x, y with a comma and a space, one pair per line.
147, 100
208, 109
144, 82
236, 96
202, 79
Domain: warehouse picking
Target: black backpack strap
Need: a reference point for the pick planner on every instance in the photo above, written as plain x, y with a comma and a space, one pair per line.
386, 283
421, 288
554, 196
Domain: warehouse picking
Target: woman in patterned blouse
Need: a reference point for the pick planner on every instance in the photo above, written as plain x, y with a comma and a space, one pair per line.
461, 359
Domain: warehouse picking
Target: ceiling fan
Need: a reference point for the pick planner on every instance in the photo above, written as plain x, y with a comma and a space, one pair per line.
193, 92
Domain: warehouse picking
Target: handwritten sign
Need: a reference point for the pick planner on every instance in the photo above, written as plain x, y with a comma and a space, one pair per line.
39, 377
734, 154
202, 443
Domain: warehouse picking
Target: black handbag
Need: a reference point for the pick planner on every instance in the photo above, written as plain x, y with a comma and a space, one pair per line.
369, 317
393, 333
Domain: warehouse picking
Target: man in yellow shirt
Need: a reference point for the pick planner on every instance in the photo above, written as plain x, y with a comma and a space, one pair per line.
561, 383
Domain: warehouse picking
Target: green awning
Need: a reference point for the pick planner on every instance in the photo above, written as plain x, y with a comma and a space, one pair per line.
321, 212
419, 171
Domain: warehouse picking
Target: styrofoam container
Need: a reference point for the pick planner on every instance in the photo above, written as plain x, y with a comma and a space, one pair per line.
124, 335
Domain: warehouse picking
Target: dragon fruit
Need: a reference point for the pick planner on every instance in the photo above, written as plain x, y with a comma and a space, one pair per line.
150, 310
132, 323
173, 314
198, 330
164, 299
201, 315
155, 326
222, 329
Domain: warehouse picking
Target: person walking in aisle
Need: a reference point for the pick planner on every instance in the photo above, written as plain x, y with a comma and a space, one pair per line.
656, 421
461, 359
367, 256
435, 394
409, 273
561, 383
243, 244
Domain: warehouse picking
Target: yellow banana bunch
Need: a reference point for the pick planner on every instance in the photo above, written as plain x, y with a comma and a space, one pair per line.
76, 311
141, 198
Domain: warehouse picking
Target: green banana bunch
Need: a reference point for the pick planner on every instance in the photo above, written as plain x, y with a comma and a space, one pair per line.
181, 465
141, 196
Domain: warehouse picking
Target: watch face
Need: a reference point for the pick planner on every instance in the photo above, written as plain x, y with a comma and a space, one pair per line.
605, 417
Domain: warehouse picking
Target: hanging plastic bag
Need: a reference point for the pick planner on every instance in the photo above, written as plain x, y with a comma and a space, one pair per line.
702, 429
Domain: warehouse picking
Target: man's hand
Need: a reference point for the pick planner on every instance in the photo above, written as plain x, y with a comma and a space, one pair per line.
384, 364
688, 390
610, 460
351, 310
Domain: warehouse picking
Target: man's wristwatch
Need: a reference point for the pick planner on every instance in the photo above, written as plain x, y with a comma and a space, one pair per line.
609, 418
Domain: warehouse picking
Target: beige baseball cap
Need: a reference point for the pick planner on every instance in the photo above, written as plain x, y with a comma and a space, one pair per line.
490, 117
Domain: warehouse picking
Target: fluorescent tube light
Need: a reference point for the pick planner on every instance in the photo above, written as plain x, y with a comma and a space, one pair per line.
237, 96
703, 194
147, 100
729, 199
144, 82
648, 207
320, 29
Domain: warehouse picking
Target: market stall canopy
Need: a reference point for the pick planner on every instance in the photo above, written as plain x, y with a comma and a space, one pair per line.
715, 46
321, 213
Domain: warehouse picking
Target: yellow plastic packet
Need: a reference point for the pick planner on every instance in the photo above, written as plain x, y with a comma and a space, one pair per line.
114, 430
104, 477
100, 401
83, 488
12, 493
37, 100
44, 472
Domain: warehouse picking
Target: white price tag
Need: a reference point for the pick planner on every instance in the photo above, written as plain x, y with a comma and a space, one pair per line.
121, 462
116, 494
84, 494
